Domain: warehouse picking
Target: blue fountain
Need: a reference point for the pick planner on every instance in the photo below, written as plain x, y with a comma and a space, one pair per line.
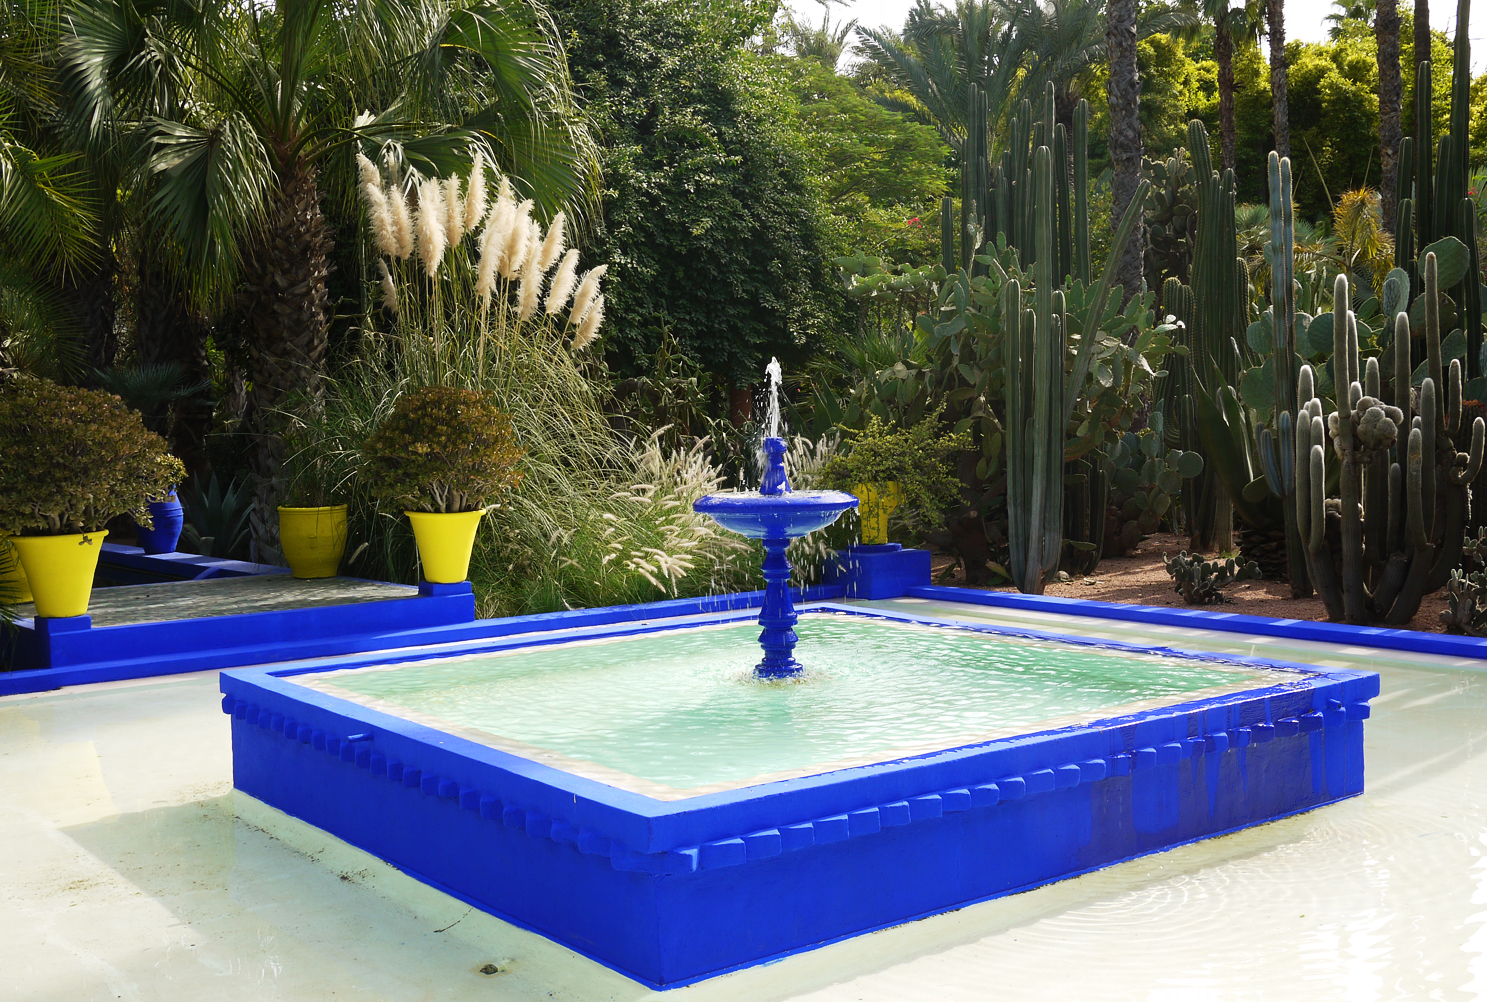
775, 514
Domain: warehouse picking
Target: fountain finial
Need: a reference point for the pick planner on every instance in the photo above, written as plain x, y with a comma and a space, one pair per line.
775, 481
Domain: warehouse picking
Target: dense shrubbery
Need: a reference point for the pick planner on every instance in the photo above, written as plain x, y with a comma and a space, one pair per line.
75, 458
442, 449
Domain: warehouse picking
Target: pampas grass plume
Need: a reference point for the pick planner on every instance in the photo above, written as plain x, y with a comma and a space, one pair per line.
475, 194
589, 329
515, 255
588, 289
402, 221
530, 293
563, 281
454, 212
389, 291
370, 176
552, 246
491, 240
431, 225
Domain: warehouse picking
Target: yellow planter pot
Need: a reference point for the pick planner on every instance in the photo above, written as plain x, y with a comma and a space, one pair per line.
445, 540
13, 584
60, 569
877, 502
313, 540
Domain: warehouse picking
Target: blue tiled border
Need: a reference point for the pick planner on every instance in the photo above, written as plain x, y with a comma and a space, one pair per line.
288, 740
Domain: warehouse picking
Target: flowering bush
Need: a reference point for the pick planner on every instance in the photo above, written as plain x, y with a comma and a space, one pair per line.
74, 458
443, 449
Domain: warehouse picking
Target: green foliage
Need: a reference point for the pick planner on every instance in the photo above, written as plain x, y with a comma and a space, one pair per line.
1147, 476
882, 174
74, 459
1201, 582
919, 458
443, 449
217, 517
713, 224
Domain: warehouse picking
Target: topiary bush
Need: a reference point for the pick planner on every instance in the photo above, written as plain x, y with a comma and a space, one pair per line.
920, 459
442, 449
75, 458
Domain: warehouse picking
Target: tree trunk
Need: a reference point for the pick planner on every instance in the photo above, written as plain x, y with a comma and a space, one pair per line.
90, 304
1223, 50
1125, 135
1422, 37
285, 284
1276, 16
1386, 30
168, 330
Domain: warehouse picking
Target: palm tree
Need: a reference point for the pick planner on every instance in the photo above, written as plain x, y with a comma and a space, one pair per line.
56, 268
1350, 10
1275, 17
236, 176
1230, 24
1386, 31
1125, 134
823, 43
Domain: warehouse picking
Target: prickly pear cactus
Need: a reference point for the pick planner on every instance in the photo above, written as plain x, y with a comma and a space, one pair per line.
1201, 582
1147, 476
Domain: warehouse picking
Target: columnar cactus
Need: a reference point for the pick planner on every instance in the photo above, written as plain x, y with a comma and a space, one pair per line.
1394, 533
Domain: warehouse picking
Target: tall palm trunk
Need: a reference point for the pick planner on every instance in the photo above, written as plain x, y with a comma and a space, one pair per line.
90, 304
1223, 50
168, 330
1125, 134
1422, 33
1386, 31
286, 290
1276, 16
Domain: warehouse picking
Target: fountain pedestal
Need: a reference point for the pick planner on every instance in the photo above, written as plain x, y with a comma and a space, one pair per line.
774, 515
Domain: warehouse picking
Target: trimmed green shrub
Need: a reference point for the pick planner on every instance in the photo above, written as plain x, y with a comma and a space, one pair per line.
75, 458
443, 449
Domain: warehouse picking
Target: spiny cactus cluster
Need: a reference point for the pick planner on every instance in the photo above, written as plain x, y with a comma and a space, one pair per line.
1394, 532
1201, 582
1466, 592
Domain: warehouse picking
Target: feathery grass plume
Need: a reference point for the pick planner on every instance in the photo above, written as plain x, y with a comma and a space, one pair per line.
389, 291
431, 225
475, 194
588, 289
589, 329
491, 240
379, 217
402, 220
515, 255
552, 245
563, 282
369, 175
454, 212
529, 294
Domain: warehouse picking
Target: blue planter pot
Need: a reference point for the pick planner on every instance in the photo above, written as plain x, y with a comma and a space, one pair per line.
168, 518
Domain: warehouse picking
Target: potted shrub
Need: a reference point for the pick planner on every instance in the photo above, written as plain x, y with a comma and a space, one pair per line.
74, 458
888, 467
312, 526
445, 455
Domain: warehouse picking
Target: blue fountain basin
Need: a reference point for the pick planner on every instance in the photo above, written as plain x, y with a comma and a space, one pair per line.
775, 516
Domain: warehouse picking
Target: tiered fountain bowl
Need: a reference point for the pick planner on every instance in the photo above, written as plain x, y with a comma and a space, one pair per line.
776, 514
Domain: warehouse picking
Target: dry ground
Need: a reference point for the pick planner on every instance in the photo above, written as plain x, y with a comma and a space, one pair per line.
1141, 579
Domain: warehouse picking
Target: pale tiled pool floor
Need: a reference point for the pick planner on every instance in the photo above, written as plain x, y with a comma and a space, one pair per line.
131, 870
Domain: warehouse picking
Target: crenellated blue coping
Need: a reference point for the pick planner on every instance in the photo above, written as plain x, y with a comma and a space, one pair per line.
715, 829
359, 750
1381, 637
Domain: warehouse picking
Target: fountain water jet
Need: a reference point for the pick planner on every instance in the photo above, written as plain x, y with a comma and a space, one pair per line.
775, 514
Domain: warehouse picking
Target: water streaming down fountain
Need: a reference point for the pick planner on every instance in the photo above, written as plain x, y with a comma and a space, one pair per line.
775, 514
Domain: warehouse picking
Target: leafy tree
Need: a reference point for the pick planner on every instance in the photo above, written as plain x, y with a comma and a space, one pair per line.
881, 174
713, 225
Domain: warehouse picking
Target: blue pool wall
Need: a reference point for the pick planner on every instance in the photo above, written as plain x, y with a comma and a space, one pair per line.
673, 892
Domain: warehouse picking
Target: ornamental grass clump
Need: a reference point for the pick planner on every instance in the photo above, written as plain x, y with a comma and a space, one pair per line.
74, 459
443, 449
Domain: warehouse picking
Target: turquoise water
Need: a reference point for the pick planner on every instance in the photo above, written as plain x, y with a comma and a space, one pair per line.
681, 709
